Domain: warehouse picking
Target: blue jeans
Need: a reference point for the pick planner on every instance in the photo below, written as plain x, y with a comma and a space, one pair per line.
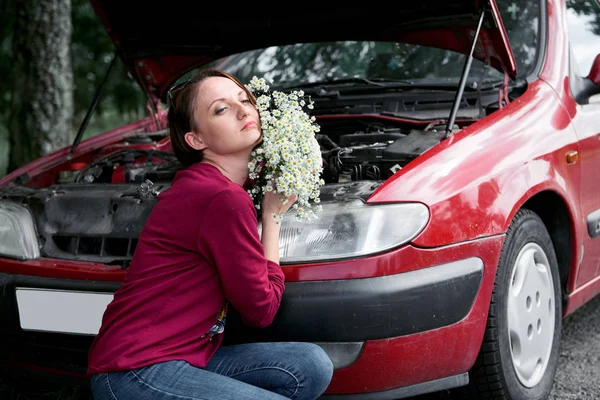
265, 371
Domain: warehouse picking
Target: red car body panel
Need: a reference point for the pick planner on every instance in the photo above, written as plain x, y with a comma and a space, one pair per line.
44, 170
448, 351
57, 268
462, 178
473, 187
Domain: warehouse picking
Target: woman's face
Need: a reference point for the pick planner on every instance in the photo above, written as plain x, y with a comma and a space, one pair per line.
227, 123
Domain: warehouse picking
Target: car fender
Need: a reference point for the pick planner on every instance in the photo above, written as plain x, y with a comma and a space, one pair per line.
475, 182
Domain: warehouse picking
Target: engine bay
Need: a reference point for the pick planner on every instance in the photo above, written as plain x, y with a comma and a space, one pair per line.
375, 153
352, 150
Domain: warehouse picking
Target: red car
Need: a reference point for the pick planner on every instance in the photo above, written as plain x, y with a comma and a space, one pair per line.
461, 210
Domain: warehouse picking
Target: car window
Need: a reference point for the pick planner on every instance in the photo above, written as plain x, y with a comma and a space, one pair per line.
583, 18
521, 20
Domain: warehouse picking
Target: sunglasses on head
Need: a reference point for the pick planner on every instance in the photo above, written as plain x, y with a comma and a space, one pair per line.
176, 88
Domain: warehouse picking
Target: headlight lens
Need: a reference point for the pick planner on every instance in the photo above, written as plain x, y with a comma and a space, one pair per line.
17, 232
350, 229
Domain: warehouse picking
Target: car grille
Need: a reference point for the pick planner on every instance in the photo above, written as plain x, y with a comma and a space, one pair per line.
102, 247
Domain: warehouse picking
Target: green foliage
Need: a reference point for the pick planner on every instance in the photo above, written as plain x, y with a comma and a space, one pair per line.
122, 100
589, 8
92, 51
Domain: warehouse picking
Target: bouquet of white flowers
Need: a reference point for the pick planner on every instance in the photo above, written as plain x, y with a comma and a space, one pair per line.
288, 161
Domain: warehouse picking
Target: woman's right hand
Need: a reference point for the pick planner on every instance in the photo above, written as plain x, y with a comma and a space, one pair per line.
271, 203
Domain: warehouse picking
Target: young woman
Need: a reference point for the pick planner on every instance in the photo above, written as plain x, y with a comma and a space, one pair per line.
198, 254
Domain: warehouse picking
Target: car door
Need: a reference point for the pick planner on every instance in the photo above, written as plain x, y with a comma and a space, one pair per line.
583, 25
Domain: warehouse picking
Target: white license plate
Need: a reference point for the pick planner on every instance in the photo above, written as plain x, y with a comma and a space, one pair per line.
64, 311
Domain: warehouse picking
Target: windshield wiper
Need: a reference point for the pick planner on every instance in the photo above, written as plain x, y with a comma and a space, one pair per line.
356, 81
333, 82
332, 88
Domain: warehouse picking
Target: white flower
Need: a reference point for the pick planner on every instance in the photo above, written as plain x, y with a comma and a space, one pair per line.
289, 158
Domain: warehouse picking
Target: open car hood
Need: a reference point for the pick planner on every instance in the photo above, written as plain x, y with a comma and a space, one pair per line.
160, 43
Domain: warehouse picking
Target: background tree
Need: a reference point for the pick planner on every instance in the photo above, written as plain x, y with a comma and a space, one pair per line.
7, 14
88, 51
42, 96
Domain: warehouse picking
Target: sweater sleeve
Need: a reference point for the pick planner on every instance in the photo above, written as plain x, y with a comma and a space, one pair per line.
229, 238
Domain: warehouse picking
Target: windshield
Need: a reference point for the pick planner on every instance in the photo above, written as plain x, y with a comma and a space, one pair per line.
298, 64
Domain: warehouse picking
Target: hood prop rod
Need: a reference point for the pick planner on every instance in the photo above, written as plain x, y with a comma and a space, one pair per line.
92, 107
152, 105
463, 81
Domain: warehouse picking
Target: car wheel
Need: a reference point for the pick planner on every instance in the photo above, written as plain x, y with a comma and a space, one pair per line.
519, 353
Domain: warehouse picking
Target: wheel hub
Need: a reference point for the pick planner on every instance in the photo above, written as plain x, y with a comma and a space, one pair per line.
531, 314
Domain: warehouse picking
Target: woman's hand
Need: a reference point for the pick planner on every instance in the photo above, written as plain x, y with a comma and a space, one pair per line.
272, 204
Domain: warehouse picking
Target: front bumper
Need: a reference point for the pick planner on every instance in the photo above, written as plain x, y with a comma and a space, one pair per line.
414, 330
357, 310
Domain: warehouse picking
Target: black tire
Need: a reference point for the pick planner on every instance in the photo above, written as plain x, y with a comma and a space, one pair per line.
498, 372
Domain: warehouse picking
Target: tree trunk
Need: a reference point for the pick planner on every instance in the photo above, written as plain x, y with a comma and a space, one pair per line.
42, 103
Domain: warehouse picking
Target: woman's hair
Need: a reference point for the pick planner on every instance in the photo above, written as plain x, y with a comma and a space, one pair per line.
182, 99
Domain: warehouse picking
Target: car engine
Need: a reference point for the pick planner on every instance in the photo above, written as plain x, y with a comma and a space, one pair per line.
374, 155
368, 152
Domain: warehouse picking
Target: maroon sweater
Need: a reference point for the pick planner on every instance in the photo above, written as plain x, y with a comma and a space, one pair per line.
199, 247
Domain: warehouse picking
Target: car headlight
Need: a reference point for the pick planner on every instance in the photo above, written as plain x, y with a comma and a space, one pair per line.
350, 229
18, 238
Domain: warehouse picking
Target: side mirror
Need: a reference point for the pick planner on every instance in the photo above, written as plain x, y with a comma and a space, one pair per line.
584, 89
594, 74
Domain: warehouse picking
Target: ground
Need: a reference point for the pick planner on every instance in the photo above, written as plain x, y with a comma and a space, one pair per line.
578, 375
